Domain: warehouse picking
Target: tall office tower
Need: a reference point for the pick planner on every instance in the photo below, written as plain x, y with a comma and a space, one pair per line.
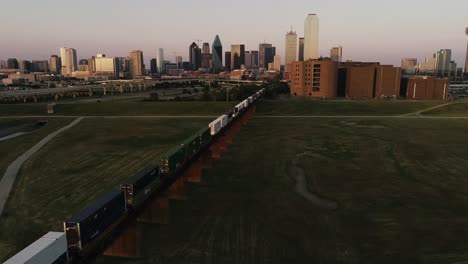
55, 64
92, 64
83, 65
217, 50
160, 61
12, 63
248, 60
443, 58
311, 37
466, 59
254, 54
227, 61
336, 54
69, 61
106, 66
408, 65
262, 62
428, 66
137, 66
195, 56
291, 47
206, 48
301, 49
179, 62
237, 56
40, 66
153, 66
3, 64
277, 63
25, 66
269, 55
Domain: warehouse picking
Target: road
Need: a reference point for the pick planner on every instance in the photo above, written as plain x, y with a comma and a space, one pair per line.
8, 179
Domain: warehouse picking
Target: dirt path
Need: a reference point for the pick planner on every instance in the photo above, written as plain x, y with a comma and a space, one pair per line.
301, 186
429, 109
12, 136
8, 179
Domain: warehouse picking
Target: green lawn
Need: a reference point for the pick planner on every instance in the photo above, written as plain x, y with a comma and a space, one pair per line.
77, 167
127, 108
400, 186
341, 107
457, 109
13, 148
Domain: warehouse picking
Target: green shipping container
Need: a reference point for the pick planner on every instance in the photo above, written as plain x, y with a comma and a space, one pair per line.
138, 199
172, 159
205, 136
192, 145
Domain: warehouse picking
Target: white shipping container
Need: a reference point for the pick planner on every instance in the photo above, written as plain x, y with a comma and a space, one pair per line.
224, 120
215, 127
47, 249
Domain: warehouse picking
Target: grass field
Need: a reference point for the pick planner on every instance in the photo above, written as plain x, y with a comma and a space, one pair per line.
400, 186
456, 109
77, 167
13, 148
127, 108
333, 108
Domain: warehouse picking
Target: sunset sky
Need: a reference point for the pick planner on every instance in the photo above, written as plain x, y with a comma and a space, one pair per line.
384, 31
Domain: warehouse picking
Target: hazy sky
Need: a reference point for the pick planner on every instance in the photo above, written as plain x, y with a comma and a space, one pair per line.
368, 30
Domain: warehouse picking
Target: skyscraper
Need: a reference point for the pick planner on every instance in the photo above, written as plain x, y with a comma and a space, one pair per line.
466, 59
227, 61
443, 58
55, 64
206, 48
160, 61
217, 55
179, 62
153, 67
311, 37
277, 63
237, 56
269, 55
69, 61
195, 56
336, 54
137, 67
291, 47
39, 66
12, 63
301, 49
262, 62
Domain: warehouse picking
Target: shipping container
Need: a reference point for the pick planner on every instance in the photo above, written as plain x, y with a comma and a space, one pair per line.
205, 136
51, 248
192, 145
215, 127
172, 159
138, 186
92, 221
224, 120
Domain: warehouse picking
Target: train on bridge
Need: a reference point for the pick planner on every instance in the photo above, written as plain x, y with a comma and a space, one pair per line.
85, 233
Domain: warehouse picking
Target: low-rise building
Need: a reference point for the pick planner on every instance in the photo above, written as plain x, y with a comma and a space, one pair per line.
425, 88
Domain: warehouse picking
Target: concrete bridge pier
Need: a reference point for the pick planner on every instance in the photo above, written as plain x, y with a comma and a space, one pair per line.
156, 212
127, 245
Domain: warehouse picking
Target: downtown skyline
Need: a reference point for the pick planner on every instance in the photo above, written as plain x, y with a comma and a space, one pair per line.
365, 35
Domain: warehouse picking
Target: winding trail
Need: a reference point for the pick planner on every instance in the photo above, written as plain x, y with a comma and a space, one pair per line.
8, 179
301, 187
429, 109
12, 136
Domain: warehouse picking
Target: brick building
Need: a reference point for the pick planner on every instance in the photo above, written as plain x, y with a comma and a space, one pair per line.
425, 88
314, 78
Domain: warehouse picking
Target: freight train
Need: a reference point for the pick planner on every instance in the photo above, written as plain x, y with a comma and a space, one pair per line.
85, 230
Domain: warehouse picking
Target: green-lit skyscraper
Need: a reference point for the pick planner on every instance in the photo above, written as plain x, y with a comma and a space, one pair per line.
217, 55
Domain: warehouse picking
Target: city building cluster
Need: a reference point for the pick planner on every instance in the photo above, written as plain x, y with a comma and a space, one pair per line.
308, 74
